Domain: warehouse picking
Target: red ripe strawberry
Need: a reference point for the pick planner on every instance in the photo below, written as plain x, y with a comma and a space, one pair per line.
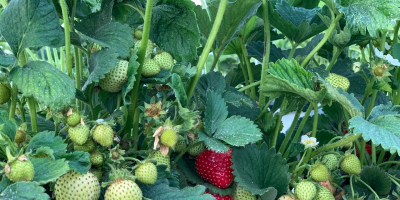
367, 148
215, 167
218, 197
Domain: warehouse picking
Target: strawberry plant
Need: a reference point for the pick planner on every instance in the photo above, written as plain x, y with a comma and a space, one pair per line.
169, 99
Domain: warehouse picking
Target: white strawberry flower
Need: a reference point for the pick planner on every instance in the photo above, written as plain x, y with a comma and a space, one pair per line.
309, 142
356, 67
387, 57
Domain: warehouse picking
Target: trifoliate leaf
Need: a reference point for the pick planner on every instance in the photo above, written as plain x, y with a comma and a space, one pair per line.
381, 127
212, 143
213, 81
257, 169
371, 15
48, 170
100, 63
377, 179
44, 82
24, 191
32, 23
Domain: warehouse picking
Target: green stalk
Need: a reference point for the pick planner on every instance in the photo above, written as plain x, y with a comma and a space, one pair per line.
392, 157
56, 59
382, 41
292, 51
362, 151
246, 79
249, 70
67, 36
216, 59
381, 156
267, 48
135, 132
324, 39
315, 123
80, 63
351, 186
369, 187
336, 144
32, 112
371, 102
21, 109
77, 74
141, 56
299, 129
62, 58
291, 129
309, 150
49, 56
249, 86
276, 131
31, 54
14, 100
396, 32
207, 47
301, 161
336, 54
373, 153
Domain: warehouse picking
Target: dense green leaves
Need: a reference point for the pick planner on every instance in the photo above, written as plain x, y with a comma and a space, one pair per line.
30, 23
47, 84
370, 15
381, 127
47, 139
24, 191
175, 30
257, 169
216, 112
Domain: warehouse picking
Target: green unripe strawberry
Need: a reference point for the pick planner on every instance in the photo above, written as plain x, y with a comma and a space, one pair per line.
351, 164
146, 173
324, 194
88, 146
242, 194
138, 34
169, 138
164, 160
5, 93
73, 119
305, 190
150, 68
79, 134
77, 186
96, 158
116, 78
197, 149
180, 146
97, 172
103, 134
330, 161
164, 60
123, 190
20, 169
338, 81
20, 137
149, 49
319, 172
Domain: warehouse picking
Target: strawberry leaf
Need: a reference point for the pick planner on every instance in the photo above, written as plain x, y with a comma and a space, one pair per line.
369, 15
9, 127
286, 76
257, 169
4, 183
48, 170
44, 82
215, 113
174, 29
132, 71
177, 85
32, 23
5, 59
47, 139
238, 131
24, 190
381, 127
376, 178
78, 161
100, 63
348, 101
212, 143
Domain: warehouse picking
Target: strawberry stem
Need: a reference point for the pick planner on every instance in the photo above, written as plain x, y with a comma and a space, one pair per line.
67, 36
369, 187
291, 129
207, 47
132, 114
184, 151
248, 65
267, 48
